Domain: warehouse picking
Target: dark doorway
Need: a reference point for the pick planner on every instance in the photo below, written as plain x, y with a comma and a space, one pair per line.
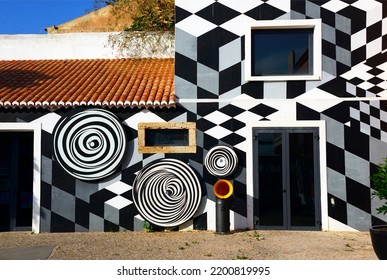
286, 178
16, 180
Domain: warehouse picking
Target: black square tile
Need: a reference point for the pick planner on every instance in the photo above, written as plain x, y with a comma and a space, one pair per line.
357, 16
62, 180
298, 6
265, 12
253, 89
185, 68
82, 210
233, 125
329, 49
97, 201
295, 88
358, 195
263, 110
61, 224
305, 113
127, 215
357, 143
45, 195
233, 139
356, 81
374, 31
230, 78
231, 110
335, 158
181, 14
204, 125
359, 55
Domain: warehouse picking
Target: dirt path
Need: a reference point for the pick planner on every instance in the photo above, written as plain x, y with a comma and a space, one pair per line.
199, 245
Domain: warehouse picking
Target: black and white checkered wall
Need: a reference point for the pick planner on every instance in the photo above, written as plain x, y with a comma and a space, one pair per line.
209, 74
210, 56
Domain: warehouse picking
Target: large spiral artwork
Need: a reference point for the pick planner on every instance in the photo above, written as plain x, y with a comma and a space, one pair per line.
167, 192
221, 161
90, 144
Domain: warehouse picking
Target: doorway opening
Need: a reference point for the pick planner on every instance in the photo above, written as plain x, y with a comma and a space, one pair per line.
286, 178
16, 180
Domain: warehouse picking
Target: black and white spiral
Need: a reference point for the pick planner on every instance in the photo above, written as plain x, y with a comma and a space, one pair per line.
89, 145
167, 192
221, 161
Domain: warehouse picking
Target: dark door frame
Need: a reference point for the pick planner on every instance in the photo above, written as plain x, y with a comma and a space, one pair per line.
36, 128
321, 126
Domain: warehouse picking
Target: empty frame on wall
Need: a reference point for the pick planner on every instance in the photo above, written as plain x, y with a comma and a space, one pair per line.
174, 137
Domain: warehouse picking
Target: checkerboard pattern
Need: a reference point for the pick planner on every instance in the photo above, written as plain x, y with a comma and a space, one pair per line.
210, 59
210, 39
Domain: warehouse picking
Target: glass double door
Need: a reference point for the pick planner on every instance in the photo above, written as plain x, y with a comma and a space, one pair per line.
286, 178
16, 180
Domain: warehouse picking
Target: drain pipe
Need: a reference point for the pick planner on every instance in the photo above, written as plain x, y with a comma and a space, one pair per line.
223, 190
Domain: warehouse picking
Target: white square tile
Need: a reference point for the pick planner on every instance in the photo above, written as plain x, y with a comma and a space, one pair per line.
195, 25
335, 5
244, 5
358, 39
217, 117
119, 187
143, 116
218, 132
118, 202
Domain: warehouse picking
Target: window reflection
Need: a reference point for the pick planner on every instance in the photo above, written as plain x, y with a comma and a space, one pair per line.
282, 51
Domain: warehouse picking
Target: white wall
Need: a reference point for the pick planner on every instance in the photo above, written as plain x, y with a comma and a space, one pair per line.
63, 46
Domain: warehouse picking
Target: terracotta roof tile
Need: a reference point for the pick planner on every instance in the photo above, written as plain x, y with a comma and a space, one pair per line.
145, 82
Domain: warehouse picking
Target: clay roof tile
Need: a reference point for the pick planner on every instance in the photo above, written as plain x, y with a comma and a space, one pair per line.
97, 82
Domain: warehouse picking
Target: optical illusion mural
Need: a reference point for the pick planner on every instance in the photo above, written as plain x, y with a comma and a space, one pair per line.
93, 178
89, 145
167, 192
221, 161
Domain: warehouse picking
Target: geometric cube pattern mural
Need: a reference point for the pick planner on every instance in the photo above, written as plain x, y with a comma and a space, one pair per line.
210, 58
212, 92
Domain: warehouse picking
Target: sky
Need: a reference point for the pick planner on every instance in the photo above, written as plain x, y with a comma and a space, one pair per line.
32, 16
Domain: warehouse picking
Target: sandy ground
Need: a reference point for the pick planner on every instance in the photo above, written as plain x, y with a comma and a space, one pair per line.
199, 245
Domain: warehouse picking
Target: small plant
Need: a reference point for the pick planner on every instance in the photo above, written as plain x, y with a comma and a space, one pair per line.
379, 185
379, 232
242, 257
148, 227
257, 236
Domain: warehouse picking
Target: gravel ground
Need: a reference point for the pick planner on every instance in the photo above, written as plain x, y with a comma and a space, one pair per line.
199, 245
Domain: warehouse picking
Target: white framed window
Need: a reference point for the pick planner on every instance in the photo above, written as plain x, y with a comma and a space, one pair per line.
280, 50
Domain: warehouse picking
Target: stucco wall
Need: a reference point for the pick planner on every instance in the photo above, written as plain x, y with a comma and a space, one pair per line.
67, 46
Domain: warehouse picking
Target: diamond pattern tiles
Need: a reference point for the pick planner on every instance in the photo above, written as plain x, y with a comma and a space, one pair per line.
354, 40
216, 26
369, 79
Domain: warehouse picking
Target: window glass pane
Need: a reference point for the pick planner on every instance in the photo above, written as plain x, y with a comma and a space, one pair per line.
166, 137
282, 52
270, 179
301, 173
